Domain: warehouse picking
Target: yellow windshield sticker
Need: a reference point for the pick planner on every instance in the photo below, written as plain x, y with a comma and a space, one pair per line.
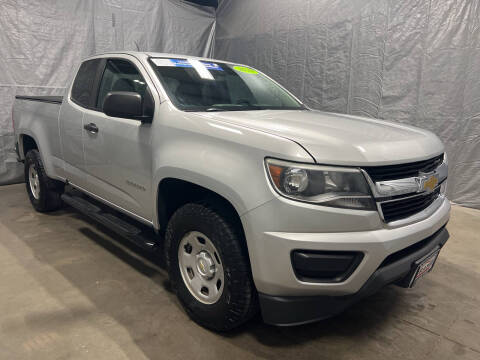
245, 69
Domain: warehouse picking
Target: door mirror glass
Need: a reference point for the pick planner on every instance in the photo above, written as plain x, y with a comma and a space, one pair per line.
124, 104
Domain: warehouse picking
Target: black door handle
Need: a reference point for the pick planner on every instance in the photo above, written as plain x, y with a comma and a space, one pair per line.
91, 128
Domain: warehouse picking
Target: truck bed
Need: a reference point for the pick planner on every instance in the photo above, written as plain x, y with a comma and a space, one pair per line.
37, 117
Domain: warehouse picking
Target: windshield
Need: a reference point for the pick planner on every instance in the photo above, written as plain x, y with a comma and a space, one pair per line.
195, 85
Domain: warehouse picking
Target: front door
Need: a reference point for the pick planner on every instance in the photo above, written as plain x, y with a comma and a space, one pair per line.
118, 156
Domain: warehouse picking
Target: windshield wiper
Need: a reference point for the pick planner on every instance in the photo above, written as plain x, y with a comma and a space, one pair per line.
233, 107
215, 109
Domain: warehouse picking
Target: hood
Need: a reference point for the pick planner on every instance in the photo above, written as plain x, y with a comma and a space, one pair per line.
339, 139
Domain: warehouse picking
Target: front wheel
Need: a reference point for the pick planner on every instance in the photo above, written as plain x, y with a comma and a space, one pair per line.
44, 193
209, 268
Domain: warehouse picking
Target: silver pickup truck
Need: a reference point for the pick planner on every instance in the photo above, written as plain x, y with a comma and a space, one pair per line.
256, 200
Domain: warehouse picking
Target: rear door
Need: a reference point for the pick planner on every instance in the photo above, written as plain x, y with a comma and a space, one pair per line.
118, 156
82, 95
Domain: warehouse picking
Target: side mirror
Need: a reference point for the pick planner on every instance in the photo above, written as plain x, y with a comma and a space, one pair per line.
125, 104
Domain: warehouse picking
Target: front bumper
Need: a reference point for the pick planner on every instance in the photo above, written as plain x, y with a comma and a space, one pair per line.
286, 310
279, 227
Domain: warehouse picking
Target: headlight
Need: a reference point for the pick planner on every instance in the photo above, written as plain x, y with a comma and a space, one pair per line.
323, 185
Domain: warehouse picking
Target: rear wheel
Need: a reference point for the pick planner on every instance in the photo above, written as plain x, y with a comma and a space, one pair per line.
209, 268
44, 193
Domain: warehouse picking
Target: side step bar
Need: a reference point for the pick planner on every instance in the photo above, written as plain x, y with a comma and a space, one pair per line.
109, 220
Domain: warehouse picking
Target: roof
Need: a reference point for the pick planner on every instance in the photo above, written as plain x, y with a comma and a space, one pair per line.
156, 54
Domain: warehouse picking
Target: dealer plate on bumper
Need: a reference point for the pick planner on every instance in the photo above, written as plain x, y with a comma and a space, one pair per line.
423, 266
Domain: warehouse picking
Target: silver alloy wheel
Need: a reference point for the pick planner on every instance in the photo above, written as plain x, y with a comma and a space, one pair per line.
34, 181
201, 267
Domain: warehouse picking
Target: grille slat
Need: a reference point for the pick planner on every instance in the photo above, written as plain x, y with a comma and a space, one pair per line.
405, 210
406, 213
402, 208
393, 172
399, 205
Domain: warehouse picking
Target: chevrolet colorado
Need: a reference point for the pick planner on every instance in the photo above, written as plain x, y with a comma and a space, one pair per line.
256, 200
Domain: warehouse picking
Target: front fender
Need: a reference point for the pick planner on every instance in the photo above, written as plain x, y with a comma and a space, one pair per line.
203, 180
223, 158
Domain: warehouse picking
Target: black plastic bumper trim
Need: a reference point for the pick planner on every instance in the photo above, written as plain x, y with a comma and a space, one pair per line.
295, 310
324, 266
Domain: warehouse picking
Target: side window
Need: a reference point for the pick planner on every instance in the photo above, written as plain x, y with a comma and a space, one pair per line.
120, 75
84, 81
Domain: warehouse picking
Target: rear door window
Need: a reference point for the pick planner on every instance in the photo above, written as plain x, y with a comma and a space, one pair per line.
83, 89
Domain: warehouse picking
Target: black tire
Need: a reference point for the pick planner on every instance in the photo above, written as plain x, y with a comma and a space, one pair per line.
238, 302
50, 190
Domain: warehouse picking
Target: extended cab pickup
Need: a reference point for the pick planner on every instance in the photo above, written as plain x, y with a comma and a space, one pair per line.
257, 200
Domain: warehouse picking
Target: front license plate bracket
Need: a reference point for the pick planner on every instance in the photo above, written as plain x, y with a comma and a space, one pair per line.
422, 267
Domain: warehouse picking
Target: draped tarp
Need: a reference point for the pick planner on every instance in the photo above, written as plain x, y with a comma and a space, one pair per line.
411, 61
41, 42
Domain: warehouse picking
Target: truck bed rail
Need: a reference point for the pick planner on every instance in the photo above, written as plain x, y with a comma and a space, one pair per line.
46, 99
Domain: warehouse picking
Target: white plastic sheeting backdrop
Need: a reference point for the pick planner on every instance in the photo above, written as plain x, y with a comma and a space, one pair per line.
411, 61
41, 41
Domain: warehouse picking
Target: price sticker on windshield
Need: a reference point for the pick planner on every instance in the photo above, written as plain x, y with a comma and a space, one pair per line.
185, 63
212, 66
245, 69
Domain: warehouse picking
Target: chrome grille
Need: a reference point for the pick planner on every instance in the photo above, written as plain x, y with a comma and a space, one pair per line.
400, 171
405, 207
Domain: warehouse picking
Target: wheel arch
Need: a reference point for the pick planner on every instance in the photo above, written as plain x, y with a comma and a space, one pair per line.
173, 192
26, 143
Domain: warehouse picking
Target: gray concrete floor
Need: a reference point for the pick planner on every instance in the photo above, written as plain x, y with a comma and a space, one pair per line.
69, 290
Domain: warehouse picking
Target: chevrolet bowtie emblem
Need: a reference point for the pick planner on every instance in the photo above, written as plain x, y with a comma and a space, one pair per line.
430, 183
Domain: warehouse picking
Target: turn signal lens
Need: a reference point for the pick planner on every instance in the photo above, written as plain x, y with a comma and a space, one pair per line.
275, 173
